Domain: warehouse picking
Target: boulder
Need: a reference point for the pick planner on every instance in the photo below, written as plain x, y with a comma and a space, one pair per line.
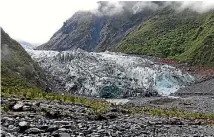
18, 106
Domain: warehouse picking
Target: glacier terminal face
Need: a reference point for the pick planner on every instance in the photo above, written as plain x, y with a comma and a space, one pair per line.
110, 75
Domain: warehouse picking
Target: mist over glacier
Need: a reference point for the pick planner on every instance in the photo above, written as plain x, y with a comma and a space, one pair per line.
109, 74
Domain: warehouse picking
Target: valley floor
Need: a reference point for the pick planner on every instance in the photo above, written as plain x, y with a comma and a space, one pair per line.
196, 98
188, 112
58, 119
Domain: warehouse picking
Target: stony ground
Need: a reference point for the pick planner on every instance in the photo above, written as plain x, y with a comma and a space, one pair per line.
204, 88
45, 118
200, 104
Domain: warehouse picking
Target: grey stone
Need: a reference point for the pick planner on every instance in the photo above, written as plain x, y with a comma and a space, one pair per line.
23, 126
18, 106
64, 135
33, 131
52, 128
23, 123
26, 108
64, 130
62, 122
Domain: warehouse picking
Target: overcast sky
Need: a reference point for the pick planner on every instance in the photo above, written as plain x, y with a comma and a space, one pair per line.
35, 21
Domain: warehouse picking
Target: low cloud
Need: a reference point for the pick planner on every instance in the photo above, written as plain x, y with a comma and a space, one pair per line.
109, 8
115, 7
197, 6
140, 6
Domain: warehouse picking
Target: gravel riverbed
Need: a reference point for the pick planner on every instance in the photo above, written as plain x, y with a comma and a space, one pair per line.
29, 118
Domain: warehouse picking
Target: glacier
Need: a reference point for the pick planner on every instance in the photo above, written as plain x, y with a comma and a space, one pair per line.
109, 74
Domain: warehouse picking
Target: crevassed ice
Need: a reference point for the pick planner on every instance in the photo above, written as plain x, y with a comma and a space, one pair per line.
41, 54
109, 74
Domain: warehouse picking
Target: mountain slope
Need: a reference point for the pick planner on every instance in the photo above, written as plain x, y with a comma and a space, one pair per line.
17, 68
93, 32
26, 45
185, 36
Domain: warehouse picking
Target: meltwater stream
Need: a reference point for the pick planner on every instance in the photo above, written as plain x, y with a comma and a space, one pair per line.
110, 75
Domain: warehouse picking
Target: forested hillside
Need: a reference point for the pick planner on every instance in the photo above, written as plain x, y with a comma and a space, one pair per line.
185, 36
18, 70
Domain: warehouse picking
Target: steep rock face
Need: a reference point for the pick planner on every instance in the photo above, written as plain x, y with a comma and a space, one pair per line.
17, 67
76, 32
94, 32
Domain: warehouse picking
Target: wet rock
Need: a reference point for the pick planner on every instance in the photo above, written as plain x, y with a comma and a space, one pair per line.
100, 117
36, 104
20, 124
4, 101
7, 120
151, 123
5, 134
198, 135
18, 106
64, 135
111, 115
64, 130
12, 128
26, 108
43, 127
23, 125
61, 122
53, 114
33, 131
61, 135
52, 128
175, 121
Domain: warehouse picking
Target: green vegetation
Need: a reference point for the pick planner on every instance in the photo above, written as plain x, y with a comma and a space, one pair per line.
21, 77
174, 112
184, 36
98, 106
36, 94
17, 67
20, 88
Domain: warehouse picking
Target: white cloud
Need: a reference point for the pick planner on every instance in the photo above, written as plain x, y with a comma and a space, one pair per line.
35, 21
198, 6
109, 8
